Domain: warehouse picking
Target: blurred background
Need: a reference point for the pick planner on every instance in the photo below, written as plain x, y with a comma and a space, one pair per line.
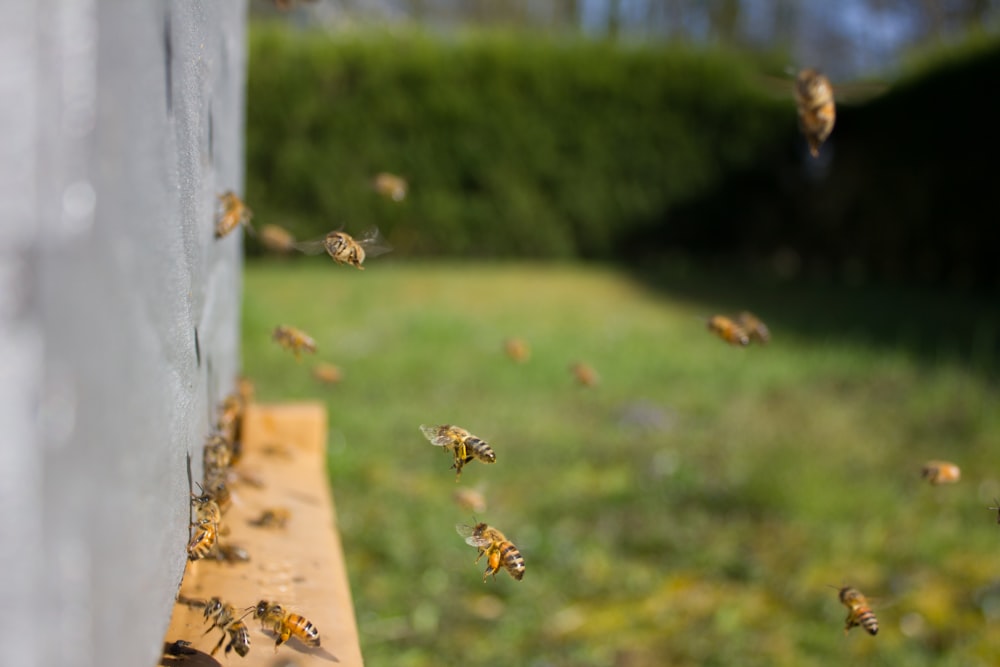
595, 178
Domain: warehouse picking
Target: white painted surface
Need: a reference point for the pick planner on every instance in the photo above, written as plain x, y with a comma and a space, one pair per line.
121, 121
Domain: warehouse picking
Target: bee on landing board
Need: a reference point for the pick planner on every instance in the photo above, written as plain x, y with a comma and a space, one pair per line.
941, 472
345, 249
285, 624
274, 517
390, 186
728, 330
859, 612
816, 109
234, 213
463, 445
294, 339
223, 616
499, 551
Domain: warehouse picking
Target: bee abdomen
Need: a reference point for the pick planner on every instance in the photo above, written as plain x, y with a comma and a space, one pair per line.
867, 620
481, 449
513, 559
307, 631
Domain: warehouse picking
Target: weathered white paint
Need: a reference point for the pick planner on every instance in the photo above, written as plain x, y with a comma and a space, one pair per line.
121, 122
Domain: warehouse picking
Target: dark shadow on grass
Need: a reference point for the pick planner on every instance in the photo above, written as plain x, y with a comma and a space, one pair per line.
930, 325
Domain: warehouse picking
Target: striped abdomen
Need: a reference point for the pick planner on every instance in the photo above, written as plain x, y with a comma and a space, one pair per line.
301, 627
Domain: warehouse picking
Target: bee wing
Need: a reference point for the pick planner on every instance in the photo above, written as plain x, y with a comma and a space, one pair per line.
314, 247
438, 439
469, 533
373, 242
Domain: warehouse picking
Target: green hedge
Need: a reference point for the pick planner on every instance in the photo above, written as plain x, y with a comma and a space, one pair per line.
512, 145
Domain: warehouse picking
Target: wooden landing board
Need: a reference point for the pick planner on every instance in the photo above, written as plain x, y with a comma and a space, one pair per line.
301, 566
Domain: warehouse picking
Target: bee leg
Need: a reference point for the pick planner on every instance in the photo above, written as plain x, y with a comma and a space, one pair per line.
217, 646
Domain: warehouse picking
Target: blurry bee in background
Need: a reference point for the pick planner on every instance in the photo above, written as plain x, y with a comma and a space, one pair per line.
463, 445
817, 112
345, 249
754, 327
728, 330
234, 213
285, 624
496, 547
276, 239
217, 486
584, 375
859, 613
223, 616
231, 553
470, 500
216, 456
230, 426
294, 339
276, 517
941, 472
390, 186
517, 349
327, 373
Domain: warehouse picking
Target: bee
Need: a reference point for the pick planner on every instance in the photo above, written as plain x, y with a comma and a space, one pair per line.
217, 455
390, 185
584, 374
754, 327
230, 426
941, 472
179, 647
345, 249
817, 112
859, 613
327, 373
294, 339
272, 518
517, 349
231, 553
470, 499
223, 616
496, 547
217, 486
728, 330
276, 239
463, 445
208, 515
234, 213
285, 624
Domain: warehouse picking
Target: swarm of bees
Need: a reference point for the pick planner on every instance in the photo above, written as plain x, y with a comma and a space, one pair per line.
859, 612
293, 339
234, 213
941, 472
463, 446
816, 109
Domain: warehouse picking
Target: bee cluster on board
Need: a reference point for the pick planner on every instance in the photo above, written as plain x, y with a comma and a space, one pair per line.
816, 111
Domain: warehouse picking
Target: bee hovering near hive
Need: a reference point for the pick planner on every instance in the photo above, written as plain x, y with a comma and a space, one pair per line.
294, 339
517, 349
859, 612
728, 330
345, 249
273, 617
223, 616
941, 472
584, 374
463, 445
390, 186
755, 329
234, 213
276, 239
816, 109
499, 551
327, 373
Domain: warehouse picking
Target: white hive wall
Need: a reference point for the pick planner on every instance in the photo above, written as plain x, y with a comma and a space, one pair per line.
119, 312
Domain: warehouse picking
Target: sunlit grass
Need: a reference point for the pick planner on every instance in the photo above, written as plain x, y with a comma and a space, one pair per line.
694, 508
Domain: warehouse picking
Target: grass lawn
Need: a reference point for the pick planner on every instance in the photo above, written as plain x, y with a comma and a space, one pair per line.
693, 508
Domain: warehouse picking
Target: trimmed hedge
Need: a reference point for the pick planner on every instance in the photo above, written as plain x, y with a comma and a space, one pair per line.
513, 146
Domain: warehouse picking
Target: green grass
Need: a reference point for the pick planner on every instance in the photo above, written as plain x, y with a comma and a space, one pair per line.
693, 508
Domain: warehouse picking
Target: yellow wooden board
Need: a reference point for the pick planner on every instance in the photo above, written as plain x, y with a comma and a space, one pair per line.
300, 565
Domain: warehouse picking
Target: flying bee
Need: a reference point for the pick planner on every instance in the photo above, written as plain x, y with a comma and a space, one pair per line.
517, 349
754, 327
327, 373
285, 624
234, 213
471, 500
816, 109
584, 374
728, 330
390, 186
276, 517
941, 472
496, 547
859, 613
276, 239
223, 616
463, 445
294, 339
345, 249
